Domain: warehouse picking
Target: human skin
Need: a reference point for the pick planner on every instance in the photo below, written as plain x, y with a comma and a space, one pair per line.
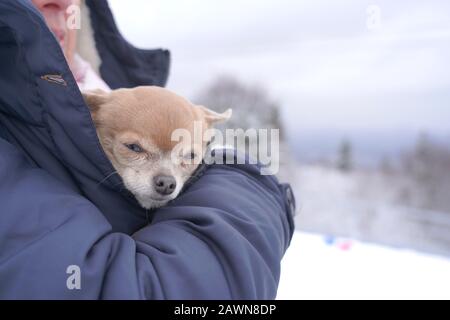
55, 15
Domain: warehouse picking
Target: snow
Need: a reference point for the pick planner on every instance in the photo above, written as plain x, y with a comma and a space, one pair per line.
320, 267
365, 205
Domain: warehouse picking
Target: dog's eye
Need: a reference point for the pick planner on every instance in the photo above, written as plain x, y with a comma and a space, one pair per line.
134, 147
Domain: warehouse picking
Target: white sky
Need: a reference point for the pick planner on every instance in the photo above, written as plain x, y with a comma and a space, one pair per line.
318, 58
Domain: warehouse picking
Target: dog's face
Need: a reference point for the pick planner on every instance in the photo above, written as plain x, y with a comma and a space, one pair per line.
135, 128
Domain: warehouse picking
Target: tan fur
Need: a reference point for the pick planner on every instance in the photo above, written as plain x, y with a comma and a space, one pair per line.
146, 116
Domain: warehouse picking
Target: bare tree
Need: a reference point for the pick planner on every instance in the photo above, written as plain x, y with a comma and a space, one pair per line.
345, 156
253, 108
386, 166
427, 167
252, 105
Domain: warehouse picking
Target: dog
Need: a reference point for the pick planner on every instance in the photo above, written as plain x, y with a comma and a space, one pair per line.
135, 128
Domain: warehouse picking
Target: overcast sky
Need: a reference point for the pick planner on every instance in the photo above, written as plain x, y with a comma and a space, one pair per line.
318, 58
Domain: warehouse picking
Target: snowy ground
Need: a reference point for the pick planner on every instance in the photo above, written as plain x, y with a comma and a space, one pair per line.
318, 267
361, 205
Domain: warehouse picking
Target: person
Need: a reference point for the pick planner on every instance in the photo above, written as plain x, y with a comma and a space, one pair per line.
68, 228
57, 15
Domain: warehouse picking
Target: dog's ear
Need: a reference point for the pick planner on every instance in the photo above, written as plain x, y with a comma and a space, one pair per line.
214, 117
94, 99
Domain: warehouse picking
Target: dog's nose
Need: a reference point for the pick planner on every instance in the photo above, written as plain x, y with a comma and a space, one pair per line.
165, 185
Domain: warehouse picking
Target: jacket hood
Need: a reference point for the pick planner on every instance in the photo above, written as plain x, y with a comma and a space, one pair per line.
43, 113
123, 65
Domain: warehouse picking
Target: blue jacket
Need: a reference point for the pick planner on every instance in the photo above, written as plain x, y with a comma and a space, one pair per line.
223, 237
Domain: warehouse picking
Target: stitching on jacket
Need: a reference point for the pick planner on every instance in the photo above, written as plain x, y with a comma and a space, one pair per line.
54, 78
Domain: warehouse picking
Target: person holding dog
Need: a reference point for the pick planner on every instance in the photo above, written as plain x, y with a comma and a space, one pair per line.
68, 229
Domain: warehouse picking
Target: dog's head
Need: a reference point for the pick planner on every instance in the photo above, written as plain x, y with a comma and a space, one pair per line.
136, 129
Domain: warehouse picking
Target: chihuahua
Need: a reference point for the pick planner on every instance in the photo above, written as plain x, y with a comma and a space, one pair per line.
135, 128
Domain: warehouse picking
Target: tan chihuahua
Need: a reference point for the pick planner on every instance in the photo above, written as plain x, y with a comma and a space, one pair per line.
135, 128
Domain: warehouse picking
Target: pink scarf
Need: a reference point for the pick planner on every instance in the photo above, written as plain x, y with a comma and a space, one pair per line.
86, 77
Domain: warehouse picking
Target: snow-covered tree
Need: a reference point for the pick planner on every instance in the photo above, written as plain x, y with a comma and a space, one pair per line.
345, 156
427, 166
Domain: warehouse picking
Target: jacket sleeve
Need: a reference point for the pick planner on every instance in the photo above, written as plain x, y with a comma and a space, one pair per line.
223, 238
